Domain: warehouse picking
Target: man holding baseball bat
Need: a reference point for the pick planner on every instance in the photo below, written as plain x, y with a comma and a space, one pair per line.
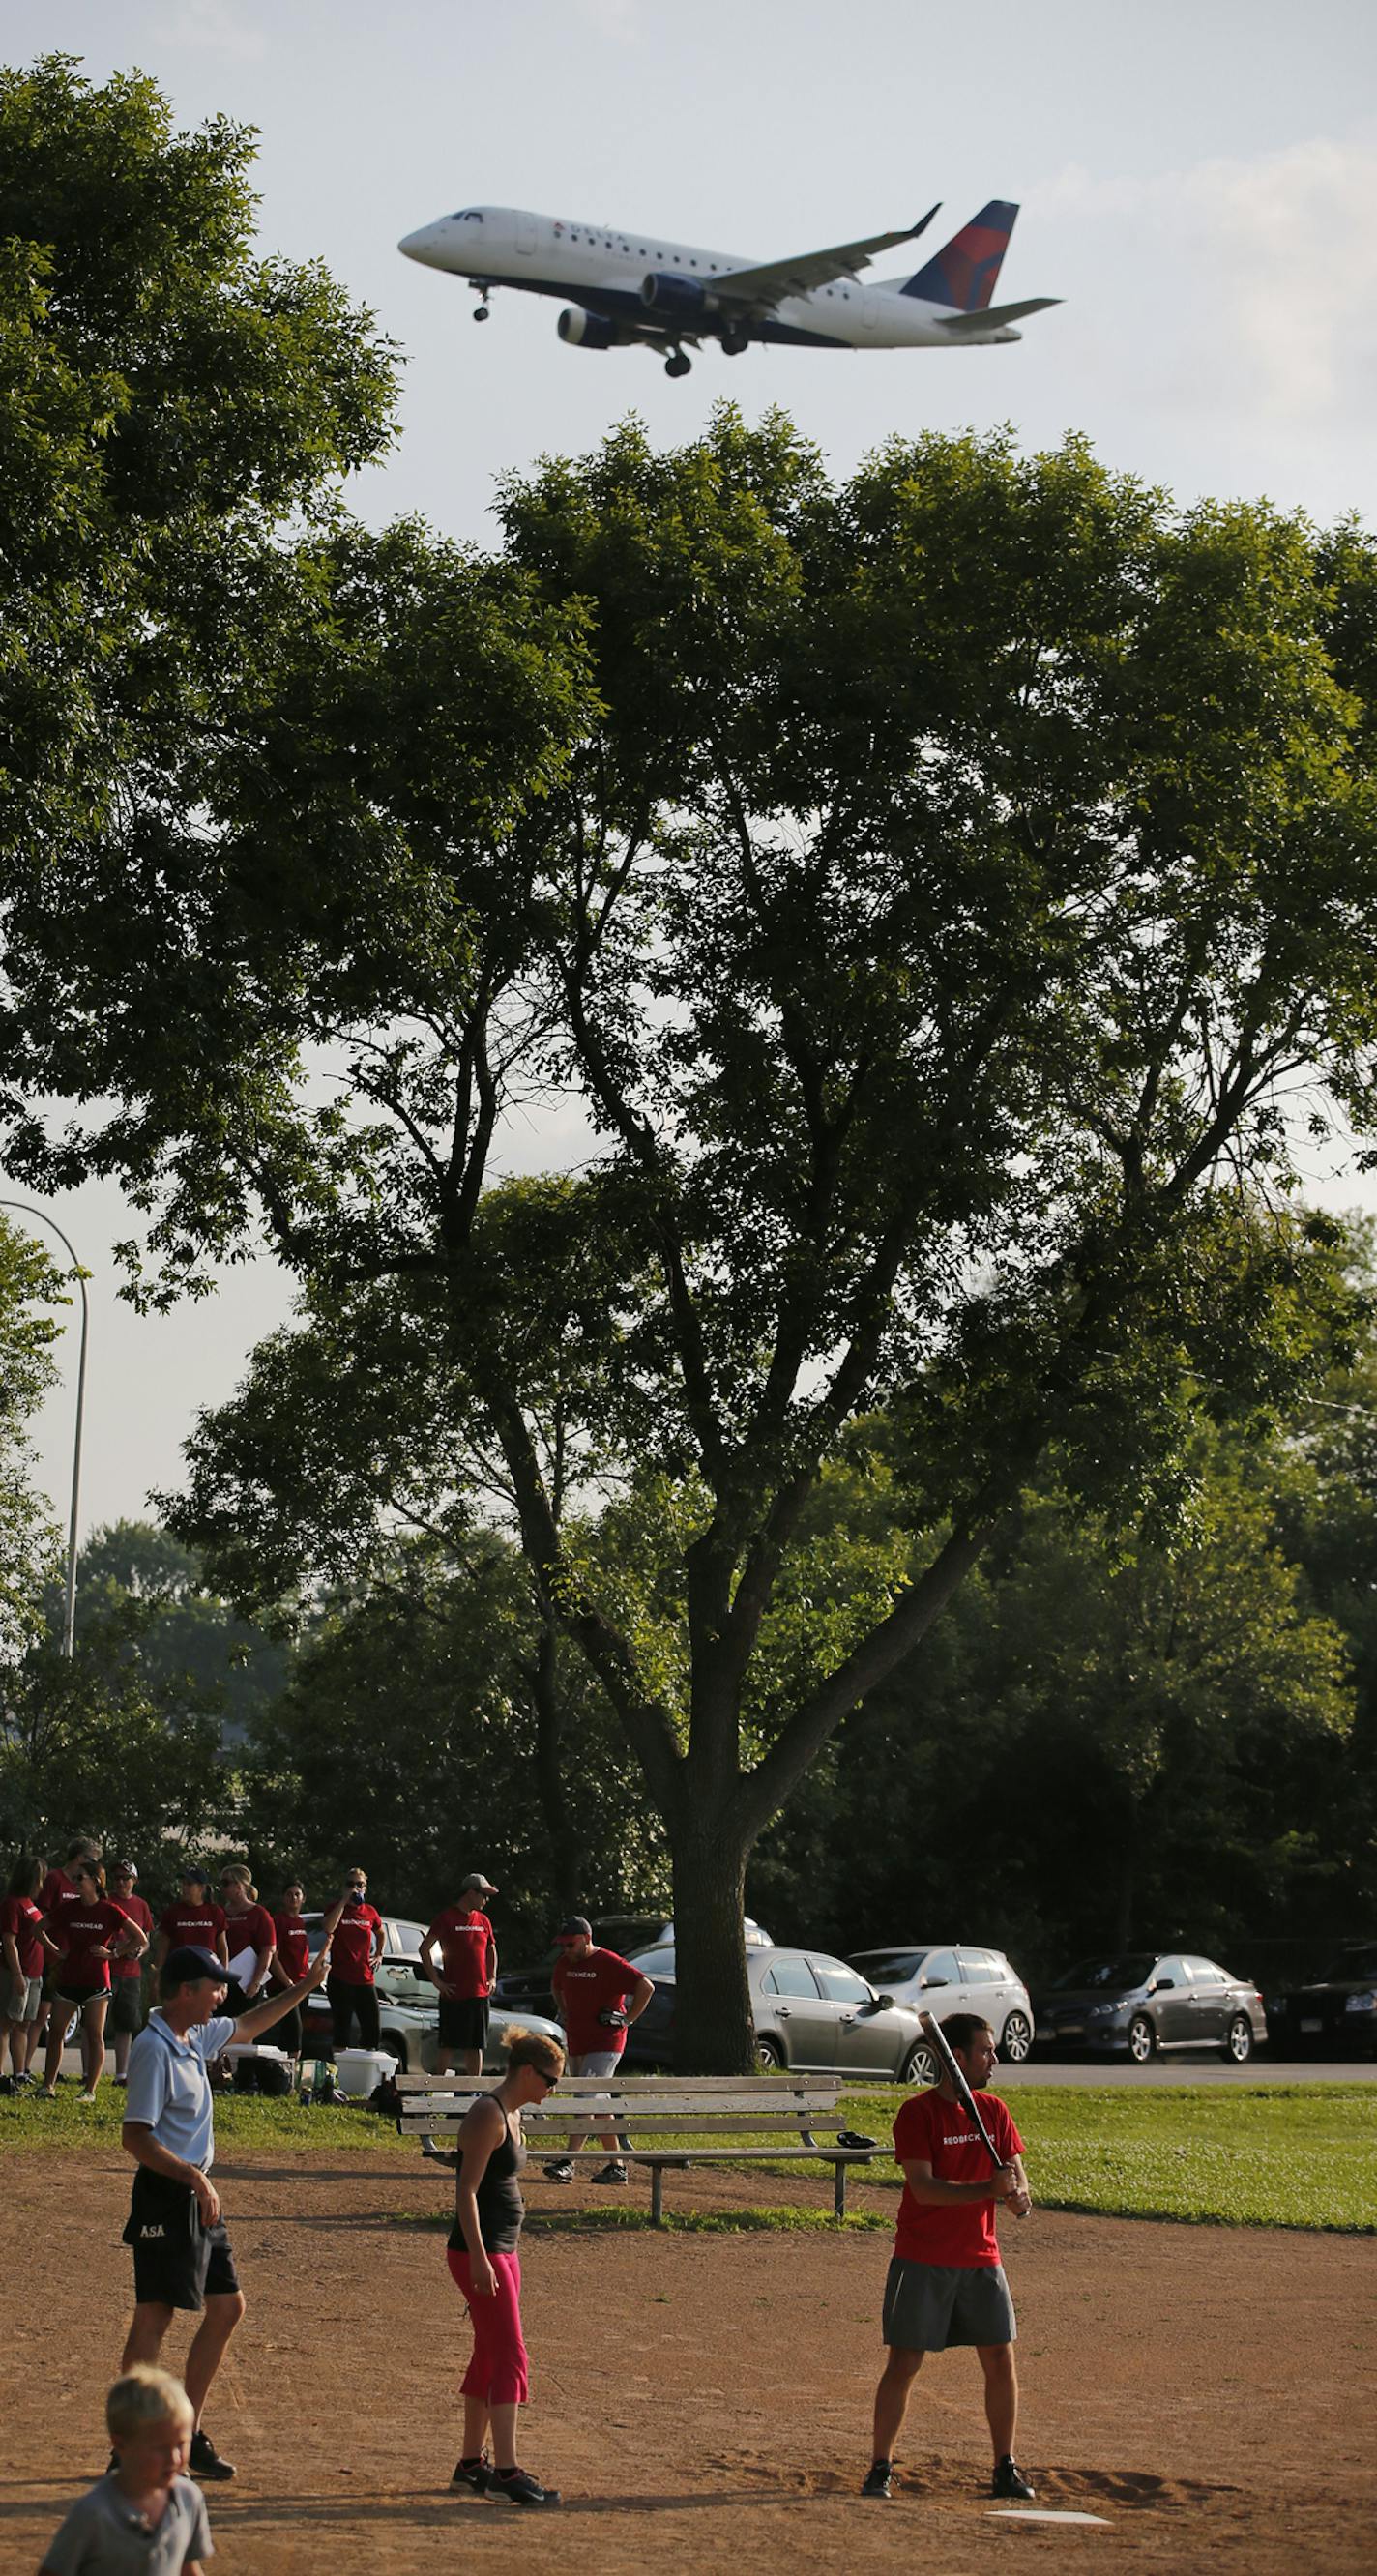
961, 2156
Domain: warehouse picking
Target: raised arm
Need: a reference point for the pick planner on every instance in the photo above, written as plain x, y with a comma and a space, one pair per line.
261, 2016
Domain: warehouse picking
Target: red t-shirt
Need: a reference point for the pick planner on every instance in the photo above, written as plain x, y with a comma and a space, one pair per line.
20, 1919
939, 2134
138, 1912
251, 1930
57, 1892
293, 1947
194, 1926
583, 1988
351, 1946
463, 1937
83, 1927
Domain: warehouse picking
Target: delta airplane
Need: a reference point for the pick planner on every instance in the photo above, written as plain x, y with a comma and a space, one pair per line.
628, 288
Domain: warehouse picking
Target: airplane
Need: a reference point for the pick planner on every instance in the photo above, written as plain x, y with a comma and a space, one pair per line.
630, 289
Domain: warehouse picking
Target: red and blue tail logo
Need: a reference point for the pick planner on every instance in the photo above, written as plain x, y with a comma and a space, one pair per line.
963, 275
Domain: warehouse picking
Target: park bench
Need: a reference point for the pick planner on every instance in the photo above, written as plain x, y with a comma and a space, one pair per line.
661, 2122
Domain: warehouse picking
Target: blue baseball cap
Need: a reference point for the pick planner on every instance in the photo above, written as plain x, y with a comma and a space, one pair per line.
186, 1967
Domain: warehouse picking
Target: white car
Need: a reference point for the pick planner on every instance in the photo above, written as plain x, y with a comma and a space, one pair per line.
962, 1978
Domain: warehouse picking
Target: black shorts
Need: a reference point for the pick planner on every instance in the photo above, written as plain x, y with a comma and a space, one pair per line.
126, 2004
350, 2003
463, 2023
179, 2262
77, 1992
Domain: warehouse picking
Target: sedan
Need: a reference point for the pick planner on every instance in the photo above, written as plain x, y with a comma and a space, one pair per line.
1141, 2001
963, 1979
1338, 2011
811, 2012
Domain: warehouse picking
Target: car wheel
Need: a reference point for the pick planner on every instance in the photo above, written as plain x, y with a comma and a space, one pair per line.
769, 2056
920, 2066
1142, 2039
1016, 2045
1238, 2043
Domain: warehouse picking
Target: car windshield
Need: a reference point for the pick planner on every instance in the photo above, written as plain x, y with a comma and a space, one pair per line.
878, 1964
1132, 1969
1352, 1963
656, 1963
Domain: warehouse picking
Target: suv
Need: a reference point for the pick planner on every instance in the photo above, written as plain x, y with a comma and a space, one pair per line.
408, 2006
960, 1979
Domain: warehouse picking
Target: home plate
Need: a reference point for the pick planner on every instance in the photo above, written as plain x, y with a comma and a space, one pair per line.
1044, 2513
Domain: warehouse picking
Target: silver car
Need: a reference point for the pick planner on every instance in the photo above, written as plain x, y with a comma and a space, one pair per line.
811, 2012
964, 1978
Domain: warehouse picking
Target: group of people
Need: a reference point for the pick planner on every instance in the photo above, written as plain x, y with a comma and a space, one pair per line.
236, 1970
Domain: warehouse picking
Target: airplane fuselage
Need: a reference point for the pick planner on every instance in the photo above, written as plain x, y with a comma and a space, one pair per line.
604, 270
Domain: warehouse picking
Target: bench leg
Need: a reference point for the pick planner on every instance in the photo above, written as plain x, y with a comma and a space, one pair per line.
657, 2195
839, 2191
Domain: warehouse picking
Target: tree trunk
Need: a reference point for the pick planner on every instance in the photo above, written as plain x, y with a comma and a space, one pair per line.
1123, 1917
713, 2030
566, 1857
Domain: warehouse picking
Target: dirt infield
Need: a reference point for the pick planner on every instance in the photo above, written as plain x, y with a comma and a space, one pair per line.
700, 2397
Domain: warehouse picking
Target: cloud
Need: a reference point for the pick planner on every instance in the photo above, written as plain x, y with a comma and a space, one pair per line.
213, 27
1271, 265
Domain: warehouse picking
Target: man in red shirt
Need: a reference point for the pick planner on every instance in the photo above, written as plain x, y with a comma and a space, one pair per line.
195, 1921
357, 1934
57, 1890
126, 1973
946, 2283
597, 1994
464, 1979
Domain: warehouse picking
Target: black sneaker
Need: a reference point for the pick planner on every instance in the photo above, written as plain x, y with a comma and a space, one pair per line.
615, 2171
1009, 2482
877, 2481
519, 2487
205, 2461
474, 2474
560, 2171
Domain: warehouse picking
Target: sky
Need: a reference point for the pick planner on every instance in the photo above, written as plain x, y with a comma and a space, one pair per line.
1198, 182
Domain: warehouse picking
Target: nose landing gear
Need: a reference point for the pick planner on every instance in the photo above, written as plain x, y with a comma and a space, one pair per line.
678, 365
480, 310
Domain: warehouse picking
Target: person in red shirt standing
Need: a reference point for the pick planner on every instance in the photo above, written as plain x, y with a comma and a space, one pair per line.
357, 1934
24, 1945
464, 1979
946, 2283
195, 1922
249, 1938
126, 1973
597, 1994
291, 1964
58, 1888
89, 1930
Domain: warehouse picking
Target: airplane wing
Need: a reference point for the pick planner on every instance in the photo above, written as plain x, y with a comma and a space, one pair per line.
969, 326
758, 289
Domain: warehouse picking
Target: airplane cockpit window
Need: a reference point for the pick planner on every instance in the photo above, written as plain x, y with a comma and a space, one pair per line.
466, 215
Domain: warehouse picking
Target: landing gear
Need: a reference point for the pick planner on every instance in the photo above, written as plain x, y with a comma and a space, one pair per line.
678, 365
735, 343
480, 310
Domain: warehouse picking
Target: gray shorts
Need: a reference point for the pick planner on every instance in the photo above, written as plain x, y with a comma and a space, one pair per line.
596, 2061
930, 2306
21, 1999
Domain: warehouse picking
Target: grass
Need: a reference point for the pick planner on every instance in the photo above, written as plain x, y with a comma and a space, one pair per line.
1237, 2156
629, 2217
1272, 2155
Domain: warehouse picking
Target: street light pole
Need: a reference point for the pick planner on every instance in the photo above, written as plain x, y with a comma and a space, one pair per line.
69, 1612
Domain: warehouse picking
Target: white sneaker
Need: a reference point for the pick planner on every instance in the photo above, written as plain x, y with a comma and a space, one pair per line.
86, 2097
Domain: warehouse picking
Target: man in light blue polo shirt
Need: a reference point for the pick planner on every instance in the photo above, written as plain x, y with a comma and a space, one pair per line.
182, 2253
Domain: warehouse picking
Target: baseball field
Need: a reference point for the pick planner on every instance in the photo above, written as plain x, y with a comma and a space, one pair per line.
1196, 2381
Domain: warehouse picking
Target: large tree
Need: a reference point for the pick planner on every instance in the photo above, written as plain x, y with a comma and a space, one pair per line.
928, 909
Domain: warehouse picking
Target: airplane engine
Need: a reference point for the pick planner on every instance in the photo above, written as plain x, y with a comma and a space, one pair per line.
674, 299
584, 330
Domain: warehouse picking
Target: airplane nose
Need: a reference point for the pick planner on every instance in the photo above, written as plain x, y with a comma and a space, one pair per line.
424, 245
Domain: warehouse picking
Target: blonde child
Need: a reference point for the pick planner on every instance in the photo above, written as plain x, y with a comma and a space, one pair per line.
145, 2516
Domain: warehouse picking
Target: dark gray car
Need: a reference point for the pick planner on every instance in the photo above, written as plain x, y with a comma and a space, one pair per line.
811, 2012
1142, 2000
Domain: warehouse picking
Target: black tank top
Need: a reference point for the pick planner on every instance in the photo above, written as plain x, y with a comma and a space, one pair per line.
501, 2208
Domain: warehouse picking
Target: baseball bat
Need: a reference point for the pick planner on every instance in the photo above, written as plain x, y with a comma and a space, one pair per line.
941, 2050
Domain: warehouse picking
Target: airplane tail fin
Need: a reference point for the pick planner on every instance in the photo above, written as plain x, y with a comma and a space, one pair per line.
963, 274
